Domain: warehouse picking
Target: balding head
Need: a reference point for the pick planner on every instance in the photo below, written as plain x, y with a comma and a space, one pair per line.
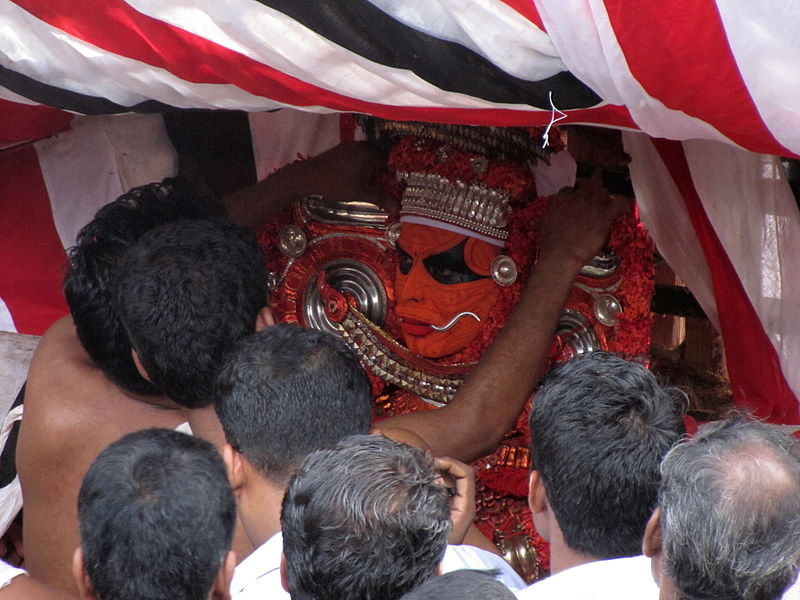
730, 512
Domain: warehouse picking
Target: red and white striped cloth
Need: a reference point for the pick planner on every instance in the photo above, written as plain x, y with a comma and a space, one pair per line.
699, 72
719, 70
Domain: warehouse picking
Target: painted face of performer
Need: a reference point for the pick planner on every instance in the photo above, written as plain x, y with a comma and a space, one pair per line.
442, 274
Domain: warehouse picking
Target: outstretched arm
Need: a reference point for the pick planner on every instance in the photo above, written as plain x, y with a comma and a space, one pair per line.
343, 173
488, 403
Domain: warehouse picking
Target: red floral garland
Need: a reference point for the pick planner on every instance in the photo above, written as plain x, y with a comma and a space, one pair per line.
633, 245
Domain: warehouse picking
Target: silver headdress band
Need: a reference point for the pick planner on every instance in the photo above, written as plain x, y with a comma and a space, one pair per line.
474, 208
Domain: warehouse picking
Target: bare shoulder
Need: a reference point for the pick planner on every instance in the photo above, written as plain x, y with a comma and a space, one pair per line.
28, 588
59, 393
72, 412
59, 347
67, 399
71, 406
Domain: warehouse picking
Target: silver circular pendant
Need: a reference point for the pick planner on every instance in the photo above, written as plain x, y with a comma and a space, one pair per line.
292, 241
607, 309
393, 233
504, 270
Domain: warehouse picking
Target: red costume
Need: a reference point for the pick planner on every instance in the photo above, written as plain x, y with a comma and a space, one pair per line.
420, 300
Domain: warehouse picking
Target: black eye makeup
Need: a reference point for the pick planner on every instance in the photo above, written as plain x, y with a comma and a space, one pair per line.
406, 262
448, 267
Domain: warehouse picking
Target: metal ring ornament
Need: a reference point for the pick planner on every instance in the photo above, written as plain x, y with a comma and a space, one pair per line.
576, 331
273, 281
292, 241
607, 309
504, 270
603, 265
393, 233
351, 277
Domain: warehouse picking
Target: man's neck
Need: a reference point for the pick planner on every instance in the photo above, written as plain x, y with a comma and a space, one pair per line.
260, 511
667, 589
205, 424
562, 557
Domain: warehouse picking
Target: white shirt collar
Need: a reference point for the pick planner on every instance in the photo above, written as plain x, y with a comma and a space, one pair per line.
263, 560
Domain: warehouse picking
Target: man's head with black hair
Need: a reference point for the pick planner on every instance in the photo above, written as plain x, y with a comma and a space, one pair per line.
286, 391
94, 261
464, 584
156, 520
186, 293
600, 426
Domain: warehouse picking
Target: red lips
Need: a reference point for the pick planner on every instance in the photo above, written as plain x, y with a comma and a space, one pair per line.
415, 328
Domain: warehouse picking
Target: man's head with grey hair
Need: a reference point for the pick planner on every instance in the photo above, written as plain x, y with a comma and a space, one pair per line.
729, 513
366, 519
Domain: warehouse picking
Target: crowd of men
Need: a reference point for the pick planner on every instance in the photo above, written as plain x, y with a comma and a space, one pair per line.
283, 490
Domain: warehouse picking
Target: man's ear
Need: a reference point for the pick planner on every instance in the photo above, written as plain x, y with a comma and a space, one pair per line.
233, 462
284, 578
265, 318
221, 590
139, 366
81, 577
537, 499
652, 542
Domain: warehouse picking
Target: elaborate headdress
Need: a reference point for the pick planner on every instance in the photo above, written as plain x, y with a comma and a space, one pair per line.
459, 177
468, 209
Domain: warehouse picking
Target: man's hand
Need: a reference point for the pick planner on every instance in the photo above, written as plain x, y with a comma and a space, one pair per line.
460, 479
578, 220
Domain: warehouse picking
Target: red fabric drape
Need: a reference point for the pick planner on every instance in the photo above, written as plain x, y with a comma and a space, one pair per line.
32, 259
755, 372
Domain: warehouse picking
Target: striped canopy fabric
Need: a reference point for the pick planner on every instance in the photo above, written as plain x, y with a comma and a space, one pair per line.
695, 69
711, 84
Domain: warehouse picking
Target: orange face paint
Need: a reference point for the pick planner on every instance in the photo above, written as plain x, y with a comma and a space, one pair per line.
424, 302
